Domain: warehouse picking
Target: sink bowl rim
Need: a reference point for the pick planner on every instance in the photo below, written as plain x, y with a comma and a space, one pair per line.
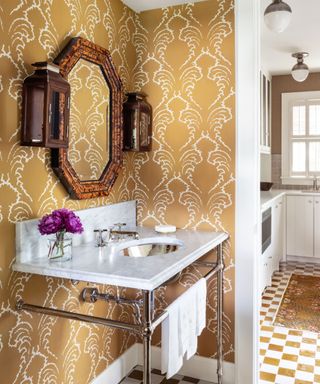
148, 240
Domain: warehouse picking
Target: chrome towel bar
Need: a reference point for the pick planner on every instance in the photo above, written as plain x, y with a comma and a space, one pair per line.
78, 316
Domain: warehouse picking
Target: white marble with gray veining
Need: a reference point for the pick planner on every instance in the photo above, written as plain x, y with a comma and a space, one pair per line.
107, 266
31, 245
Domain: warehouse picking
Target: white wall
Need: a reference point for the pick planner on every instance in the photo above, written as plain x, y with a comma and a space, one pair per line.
248, 221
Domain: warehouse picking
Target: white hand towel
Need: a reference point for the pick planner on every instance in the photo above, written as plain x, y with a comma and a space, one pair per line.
171, 359
180, 330
201, 301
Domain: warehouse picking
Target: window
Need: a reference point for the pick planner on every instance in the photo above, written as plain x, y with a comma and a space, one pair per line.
300, 137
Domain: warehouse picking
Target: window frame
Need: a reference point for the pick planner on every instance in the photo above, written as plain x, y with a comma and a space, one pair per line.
288, 100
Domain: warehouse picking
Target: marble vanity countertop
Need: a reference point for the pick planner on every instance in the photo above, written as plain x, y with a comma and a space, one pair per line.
99, 265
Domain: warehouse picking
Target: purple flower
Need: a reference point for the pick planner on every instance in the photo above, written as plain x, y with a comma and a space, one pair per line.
50, 224
60, 220
73, 223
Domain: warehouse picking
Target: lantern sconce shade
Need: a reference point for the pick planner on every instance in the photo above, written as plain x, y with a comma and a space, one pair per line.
137, 123
300, 71
277, 16
45, 110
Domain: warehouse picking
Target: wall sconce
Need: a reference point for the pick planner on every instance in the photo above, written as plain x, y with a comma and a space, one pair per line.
45, 109
137, 123
300, 71
277, 16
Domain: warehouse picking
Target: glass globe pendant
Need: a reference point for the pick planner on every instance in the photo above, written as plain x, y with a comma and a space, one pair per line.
277, 16
300, 71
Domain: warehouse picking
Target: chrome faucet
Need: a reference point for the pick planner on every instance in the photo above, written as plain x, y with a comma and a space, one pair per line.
114, 233
315, 185
100, 240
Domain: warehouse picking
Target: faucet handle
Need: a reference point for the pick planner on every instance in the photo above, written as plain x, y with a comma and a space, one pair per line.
118, 226
100, 241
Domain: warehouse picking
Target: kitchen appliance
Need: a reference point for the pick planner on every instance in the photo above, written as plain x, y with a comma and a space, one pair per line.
266, 229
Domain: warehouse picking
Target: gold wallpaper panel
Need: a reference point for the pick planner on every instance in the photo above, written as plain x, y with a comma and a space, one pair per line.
183, 57
185, 63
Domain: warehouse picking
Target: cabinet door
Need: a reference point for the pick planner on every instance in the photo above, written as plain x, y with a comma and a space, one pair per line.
265, 277
317, 226
265, 114
277, 232
300, 226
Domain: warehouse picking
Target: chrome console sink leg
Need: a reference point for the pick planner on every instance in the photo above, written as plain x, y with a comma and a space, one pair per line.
148, 306
220, 312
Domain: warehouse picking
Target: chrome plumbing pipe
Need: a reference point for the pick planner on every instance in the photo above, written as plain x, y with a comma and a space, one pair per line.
205, 264
91, 295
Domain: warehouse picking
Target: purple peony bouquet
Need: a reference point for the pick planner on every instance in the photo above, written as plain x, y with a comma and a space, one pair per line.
59, 222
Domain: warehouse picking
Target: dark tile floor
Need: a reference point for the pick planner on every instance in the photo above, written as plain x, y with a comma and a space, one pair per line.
135, 377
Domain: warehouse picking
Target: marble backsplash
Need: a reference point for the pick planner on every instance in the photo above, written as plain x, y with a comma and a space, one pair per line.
30, 244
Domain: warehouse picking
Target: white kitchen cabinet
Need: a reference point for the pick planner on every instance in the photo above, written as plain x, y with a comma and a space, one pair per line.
274, 253
266, 270
263, 274
300, 226
265, 114
277, 233
317, 226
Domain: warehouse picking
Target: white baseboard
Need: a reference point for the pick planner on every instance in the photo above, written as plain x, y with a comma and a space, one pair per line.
302, 259
198, 367
119, 368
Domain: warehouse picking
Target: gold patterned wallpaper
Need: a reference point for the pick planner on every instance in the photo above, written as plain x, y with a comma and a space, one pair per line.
183, 57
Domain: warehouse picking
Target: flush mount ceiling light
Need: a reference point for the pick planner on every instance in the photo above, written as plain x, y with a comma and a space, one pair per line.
277, 16
300, 71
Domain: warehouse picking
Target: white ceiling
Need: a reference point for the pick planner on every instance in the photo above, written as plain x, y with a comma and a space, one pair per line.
144, 5
303, 34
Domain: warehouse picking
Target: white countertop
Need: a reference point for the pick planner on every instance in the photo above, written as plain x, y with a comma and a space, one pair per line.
99, 265
268, 197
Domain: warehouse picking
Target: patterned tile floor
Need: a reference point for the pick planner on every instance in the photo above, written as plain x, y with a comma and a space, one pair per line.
287, 356
135, 377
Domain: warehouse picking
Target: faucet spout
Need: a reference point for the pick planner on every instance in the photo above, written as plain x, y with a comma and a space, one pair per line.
118, 235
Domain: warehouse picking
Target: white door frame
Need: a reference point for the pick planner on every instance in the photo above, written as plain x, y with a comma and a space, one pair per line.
248, 219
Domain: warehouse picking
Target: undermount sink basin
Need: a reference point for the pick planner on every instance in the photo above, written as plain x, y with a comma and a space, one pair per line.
149, 247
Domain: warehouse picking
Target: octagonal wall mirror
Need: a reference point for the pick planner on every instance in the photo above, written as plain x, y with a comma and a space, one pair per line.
89, 166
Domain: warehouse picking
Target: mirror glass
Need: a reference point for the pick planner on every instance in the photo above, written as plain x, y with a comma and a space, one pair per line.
90, 165
89, 131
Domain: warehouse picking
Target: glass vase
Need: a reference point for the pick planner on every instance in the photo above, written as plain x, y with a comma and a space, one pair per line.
60, 248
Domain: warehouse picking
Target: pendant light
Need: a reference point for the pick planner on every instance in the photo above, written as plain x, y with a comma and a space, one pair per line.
300, 71
277, 16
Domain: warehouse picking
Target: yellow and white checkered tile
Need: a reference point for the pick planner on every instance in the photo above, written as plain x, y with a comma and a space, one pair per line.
287, 356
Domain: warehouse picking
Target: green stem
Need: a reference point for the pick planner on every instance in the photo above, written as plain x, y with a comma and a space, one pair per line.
60, 242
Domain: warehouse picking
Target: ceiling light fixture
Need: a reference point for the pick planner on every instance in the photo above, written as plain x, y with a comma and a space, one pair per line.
277, 16
300, 71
